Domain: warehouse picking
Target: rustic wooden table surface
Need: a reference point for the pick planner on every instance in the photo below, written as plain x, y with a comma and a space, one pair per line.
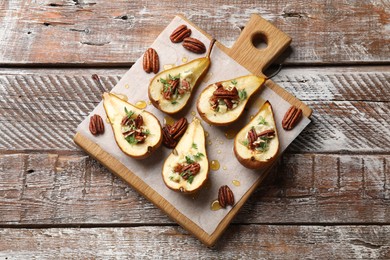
328, 197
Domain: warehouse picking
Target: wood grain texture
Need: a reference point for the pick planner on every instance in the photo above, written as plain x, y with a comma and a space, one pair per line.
52, 103
51, 189
241, 242
112, 33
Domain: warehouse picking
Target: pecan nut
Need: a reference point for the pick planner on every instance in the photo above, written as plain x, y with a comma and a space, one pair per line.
291, 118
194, 45
252, 137
151, 61
168, 141
225, 196
180, 33
190, 169
268, 133
172, 134
220, 92
96, 125
178, 128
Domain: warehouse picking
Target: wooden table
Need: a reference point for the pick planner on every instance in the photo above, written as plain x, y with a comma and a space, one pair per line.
328, 197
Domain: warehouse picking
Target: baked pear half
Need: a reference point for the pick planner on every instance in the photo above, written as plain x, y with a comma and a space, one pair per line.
186, 168
257, 144
223, 102
137, 132
171, 89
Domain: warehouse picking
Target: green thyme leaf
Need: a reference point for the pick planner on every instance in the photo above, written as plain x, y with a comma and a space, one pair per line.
163, 81
194, 145
245, 142
198, 156
131, 139
234, 82
129, 113
189, 160
242, 94
174, 78
262, 121
146, 132
174, 102
190, 179
263, 147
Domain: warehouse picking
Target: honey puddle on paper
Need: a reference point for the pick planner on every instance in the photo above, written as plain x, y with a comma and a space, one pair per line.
236, 183
169, 120
141, 104
215, 205
214, 165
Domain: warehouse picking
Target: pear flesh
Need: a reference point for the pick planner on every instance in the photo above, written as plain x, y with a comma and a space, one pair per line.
187, 75
116, 110
191, 149
265, 149
221, 115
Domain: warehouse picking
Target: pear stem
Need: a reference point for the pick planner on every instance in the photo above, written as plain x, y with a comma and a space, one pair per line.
275, 73
98, 82
210, 48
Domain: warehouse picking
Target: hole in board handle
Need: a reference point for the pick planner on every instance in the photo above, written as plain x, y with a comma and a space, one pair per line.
260, 41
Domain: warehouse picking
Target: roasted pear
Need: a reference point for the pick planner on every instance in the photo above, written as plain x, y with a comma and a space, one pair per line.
186, 168
223, 102
136, 131
257, 144
170, 90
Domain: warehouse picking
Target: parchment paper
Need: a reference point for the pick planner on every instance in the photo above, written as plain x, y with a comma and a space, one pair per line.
135, 83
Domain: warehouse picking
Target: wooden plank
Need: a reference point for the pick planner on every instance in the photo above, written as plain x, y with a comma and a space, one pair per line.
339, 126
51, 189
85, 33
241, 242
48, 99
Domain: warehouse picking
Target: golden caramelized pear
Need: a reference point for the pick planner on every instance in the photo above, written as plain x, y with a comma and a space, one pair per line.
223, 102
186, 168
257, 144
136, 131
170, 90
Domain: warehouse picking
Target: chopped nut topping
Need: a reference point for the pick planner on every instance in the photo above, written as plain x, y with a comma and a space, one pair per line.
133, 129
226, 98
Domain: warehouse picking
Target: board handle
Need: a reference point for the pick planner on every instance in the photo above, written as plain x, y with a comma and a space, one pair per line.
253, 59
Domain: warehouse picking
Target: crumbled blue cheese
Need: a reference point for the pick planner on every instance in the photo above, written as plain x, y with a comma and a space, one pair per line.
186, 75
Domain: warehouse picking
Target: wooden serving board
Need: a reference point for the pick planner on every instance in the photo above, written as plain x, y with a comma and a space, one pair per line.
253, 60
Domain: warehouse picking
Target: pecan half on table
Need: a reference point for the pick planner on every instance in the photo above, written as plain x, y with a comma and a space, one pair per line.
180, 33
96, 125
225, 196
291, 118
172, 134
151, 61
194, 45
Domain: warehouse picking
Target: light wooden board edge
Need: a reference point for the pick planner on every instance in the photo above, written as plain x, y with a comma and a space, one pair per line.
118, 169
